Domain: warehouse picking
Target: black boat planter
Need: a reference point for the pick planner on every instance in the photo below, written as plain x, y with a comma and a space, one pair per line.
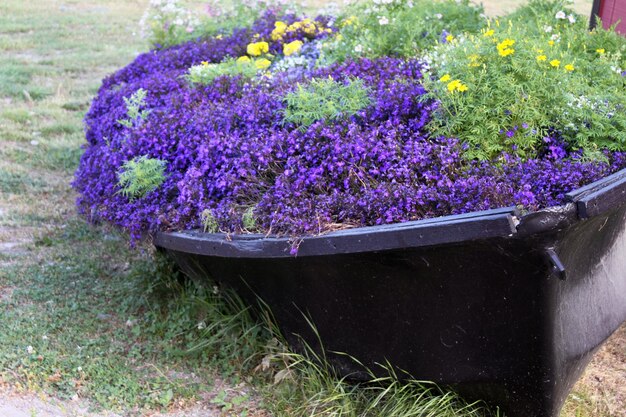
500, 306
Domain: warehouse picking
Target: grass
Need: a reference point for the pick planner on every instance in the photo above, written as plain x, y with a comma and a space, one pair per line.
86, 317
76, 324
79, 308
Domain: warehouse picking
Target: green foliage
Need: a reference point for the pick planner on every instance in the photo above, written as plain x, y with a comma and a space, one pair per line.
306, 385
139, 176
169, 22
527, 74
166, 23
325, 99
205, 73
230, 403
248, 220
209, 222
401, 28
134, 103
226, 15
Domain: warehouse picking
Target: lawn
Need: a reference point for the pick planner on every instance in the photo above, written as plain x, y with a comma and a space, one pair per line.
83, 315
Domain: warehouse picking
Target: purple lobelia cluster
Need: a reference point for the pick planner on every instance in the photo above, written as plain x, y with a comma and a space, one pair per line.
228, 151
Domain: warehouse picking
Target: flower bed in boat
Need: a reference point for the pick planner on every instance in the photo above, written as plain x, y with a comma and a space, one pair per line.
297, 126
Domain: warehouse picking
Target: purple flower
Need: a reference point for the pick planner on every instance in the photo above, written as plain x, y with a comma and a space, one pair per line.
228, 149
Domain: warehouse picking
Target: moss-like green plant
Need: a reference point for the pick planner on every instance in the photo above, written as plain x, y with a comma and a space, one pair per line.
325, 99
205, 73
248, 220
209, 222
139, 176
134, 103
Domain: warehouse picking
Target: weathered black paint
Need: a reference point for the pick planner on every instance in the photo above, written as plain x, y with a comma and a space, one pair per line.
502, 307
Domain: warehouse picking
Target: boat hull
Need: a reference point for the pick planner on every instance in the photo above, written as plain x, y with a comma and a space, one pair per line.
501, 307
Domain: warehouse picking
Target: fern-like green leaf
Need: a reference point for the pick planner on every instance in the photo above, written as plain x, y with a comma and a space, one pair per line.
140, 176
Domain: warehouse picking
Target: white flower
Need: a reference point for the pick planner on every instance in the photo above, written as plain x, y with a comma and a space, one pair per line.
79, 369
571, 18
358, 48
555, 37
439, 16
44, 337
560, 14
30, 349
383, 20
410, 4
547, 29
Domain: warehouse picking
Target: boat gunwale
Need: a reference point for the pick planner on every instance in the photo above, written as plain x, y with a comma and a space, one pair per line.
589, 201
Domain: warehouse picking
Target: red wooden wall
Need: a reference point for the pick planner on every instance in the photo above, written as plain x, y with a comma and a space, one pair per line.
610, 11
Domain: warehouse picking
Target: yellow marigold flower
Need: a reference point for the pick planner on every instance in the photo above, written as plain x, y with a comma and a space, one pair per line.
452, 85
551, 42
504, 47
258, 48
569, 67
205, 63
507, 42
555, 63
243, 59
600, 51
456, 85
262, 63
541, 58
218, 37
279, 30
292, 47
445, 78
489, 33
449, 38
256, 36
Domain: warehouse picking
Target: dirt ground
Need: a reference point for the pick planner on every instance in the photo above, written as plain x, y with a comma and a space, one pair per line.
604, 380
